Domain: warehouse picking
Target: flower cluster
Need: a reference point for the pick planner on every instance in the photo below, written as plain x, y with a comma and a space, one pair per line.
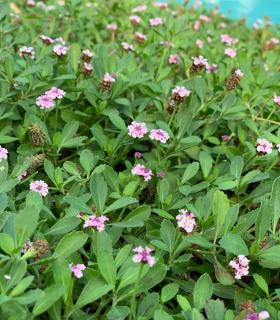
144, 255
276, 100
264, 146
77, 269
127, 47
230, 52
159, 135
139, 130
154, 22
107, 81
95, 222
47, 100
228, 40
60, 50
39, 186
141, 170
139, 37
234, 79
186, 221
198, 64
263, 315
27, 52
3, 153
240, 265
174, 59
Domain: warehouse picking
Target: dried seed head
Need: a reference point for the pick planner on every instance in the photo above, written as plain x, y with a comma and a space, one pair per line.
41, 247
37, 161
37, 135
247, 306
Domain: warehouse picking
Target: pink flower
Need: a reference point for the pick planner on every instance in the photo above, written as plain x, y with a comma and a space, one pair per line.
45, 102
46, 39
239, 73
186, 221
140, 8
127, 47
225, 137
87, 68
27, 52
156, 22
211, 68
135, 19
264, 146
274, 41
230, 52
276, 99
140, 37
60, 40
181, 91
200, 61
167, 44
39, 186
161, 5
3, 153
87, 55
138, 155
263, 315
22, 175
30, 3
199, 43
159, 135
161, 174
240, 265
60, 50
174, 59
77, 269
110, 78
137, 129
143, 255
141, 170
95, 222
55, 93
112, 26
228, 40
196, 25
204, 18
278, 147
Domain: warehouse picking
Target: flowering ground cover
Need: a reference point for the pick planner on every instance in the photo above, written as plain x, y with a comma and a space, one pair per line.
139, 163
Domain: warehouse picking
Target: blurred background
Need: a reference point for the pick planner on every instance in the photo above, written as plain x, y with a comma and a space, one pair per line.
251, 9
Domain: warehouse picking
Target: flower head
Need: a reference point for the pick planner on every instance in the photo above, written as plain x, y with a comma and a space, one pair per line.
55, 93
159, 135
109, 77
22, 175
143, 255
230, 52
181, 92
264, 315
276, 99
45, 102
134, 19
197, 61
138, 155
141, 170
186, 221
87, 68
228, 40
140, 8
27, 52
174, 59
264, 146
77, 269
3, 153
199, 43
95, 222
156, 22
112, 26
137, 129
127, 47
87, 55
211, 68
140, 37
60, 50
39, 186
46, 39
239, 73
240, 265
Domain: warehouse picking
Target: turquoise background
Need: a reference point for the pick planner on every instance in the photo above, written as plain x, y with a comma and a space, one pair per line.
252, 9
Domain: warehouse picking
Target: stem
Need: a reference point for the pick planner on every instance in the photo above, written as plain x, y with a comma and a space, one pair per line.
133, 298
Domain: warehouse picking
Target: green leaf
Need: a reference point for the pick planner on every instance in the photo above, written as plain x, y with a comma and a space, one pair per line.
184, 303
7, 243
99, 190
222, 275
233, 243
118, 313
135, 218
62, 276
206, 162
22, 286
275, 201
112, 178
70, 243
263, 221
215, 310
220, 210
270, 258
6, 139
107, 266
74, 56
168, 234
169, 291
203, 291
51, 295
190, 172
162, 315
95, 288
78, 204
63, 226
120, 203
87, 161
260, 281
236, 166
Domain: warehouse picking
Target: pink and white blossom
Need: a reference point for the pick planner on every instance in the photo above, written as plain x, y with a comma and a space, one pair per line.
154, 22
27, 52
60, 50
55, 93
140, 8
230, 52
144, 255
159, 135
240, 265
181, 91
174, 59
3, 153
127, 47
276, 99
135, 20
137, 129
77, 269
264, 146
200, 60
141, 170
186, 221
95, 222
45, 102
39, 186
199, 43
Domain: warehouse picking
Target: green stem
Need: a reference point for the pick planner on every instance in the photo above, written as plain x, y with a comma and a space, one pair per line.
133, 298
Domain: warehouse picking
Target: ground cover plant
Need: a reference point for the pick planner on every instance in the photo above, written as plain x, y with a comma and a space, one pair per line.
139, 173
